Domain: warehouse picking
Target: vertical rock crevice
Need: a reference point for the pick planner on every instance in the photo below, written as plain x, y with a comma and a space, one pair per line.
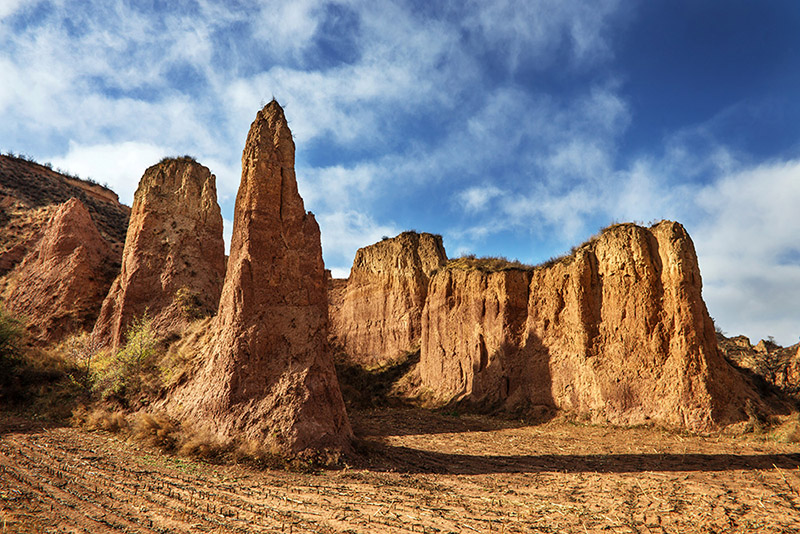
173, 262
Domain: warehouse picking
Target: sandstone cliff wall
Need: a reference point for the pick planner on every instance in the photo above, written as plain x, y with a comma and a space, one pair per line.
173, 263
267, 374
59, 285
617, 332
377, 316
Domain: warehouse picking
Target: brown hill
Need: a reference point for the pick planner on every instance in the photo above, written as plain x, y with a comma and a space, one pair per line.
267, 374
28, 194
57, 288
617, 332
377, 316
174, 258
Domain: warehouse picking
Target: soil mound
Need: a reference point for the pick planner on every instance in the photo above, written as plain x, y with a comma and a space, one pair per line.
174, 259
377, 317
617, 332
60, 284
267, 373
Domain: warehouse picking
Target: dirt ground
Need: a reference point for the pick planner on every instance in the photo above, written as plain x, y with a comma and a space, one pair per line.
417, 472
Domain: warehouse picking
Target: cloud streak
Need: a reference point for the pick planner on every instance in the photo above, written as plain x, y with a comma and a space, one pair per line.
502, 125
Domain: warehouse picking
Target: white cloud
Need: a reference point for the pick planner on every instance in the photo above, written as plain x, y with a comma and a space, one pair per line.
478, 198
287, 27
343, 233
227, 233
121, 165
749, 250
336, 187
533, 31
9, 7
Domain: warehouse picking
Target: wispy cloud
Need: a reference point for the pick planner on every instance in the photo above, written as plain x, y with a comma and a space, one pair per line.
749, 250
443, 107
347, 231
118, 165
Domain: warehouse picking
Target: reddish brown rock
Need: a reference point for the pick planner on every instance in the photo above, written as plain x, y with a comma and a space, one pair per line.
617, 332
268, 375
29, 195
377, 317
59, 285
173, 263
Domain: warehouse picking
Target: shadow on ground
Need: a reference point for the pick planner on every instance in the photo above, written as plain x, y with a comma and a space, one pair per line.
414, 461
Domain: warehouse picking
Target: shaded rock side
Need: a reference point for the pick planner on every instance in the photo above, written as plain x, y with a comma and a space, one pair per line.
59, 285
173, 264
617, 332
378, 316
267, 374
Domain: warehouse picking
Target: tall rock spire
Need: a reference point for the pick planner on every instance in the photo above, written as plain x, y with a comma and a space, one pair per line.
269, 375
173, 263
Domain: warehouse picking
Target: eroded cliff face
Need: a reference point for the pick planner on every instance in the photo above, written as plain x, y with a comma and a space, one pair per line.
776, 365
58, 286
617, 332
267, 373
173, 263
30, 194
377, 316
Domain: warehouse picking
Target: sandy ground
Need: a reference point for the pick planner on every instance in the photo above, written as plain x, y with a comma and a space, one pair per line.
418, 472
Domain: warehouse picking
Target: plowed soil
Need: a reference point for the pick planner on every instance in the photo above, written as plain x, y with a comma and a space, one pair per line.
415, 472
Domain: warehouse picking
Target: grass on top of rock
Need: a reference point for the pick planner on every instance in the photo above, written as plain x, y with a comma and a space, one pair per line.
186, 157
488, 264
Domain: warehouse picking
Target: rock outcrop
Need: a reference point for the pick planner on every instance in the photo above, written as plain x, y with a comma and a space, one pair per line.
267, 374
29, 195
617, 332
377, 317
59, 285
777, 366
173, 263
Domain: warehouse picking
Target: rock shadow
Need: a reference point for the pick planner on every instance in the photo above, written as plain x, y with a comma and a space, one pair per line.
414, 461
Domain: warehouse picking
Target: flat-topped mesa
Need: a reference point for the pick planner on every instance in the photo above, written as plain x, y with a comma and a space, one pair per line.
377, 318
617, 332
173, 263
268, 375
60, 283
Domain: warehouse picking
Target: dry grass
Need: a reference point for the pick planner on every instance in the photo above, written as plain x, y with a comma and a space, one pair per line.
488, 264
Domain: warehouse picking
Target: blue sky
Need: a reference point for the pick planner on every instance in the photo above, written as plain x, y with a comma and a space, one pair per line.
514, 128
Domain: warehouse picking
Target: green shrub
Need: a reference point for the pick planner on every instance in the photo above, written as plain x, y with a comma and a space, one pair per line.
10, 336
10, 354
189, 303
123, 376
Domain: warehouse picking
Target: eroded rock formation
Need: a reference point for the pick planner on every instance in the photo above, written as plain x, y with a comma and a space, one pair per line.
31, 193
59, 285
617, 332
268, 375
377, 316
173, 263
777, 366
